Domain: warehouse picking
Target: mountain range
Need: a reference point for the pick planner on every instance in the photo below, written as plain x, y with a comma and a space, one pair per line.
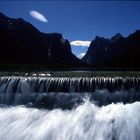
116, 52
22, 44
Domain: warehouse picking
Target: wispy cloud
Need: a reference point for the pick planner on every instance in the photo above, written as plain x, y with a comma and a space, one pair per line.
37, 15
80, 43
81, 55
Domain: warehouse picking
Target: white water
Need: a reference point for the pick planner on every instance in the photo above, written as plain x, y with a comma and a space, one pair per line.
86, 122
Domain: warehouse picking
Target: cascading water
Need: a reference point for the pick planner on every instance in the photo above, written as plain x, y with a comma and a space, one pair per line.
54, 108
67, 92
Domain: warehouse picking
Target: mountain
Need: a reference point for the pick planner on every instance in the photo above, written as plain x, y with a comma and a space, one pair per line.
116, 52
21, 43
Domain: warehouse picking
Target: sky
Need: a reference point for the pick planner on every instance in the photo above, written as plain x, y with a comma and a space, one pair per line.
78, 21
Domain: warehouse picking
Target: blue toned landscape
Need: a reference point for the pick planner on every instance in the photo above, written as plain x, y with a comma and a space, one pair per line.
69, 70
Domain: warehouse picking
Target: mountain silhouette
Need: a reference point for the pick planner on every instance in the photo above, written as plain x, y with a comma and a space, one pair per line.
116, 52
21, 43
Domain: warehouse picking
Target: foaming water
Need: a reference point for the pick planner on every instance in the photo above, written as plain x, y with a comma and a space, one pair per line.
86, 122
69, 108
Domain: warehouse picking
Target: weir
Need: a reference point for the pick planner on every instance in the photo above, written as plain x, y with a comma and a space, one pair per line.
54, 108
66, 93
59, 84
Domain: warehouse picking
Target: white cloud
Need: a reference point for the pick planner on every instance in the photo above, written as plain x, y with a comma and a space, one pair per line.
81, 55
80, 43
38, 16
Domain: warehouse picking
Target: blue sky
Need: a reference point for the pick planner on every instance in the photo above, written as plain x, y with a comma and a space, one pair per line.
78, 20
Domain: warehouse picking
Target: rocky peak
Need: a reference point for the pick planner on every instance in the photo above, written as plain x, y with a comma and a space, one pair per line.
117, 37
116, 52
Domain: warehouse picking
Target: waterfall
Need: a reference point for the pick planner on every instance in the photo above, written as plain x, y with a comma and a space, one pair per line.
66, 93
59, 84
62, 108
86, 122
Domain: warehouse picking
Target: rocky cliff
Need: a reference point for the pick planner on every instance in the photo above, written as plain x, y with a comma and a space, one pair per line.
115, 52
22, 43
